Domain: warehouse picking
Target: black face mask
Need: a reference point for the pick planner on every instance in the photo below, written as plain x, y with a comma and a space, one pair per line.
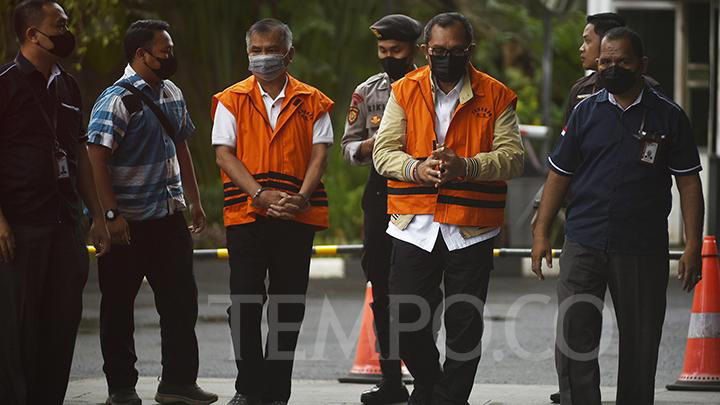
448, 69
63, 44
396, 68
168, 66
617, 80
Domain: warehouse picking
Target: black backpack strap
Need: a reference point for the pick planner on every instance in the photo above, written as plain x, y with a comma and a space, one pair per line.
164, 121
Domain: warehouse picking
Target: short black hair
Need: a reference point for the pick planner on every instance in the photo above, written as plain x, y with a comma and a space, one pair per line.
604, 22
446, 20
27, 13
632, 36
140, 33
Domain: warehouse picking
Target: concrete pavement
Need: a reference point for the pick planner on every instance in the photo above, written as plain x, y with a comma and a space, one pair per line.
517, 366
325, 392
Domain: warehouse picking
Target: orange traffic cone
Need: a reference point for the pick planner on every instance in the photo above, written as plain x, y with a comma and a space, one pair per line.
366, 368
702, 353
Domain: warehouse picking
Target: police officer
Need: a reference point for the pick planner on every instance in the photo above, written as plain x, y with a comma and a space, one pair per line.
396, 36
596, 27
617, 154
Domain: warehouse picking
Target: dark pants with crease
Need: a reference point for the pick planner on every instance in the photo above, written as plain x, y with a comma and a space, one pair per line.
40, 310
377, 248
638, 286
161, 250
279, 250
465, 274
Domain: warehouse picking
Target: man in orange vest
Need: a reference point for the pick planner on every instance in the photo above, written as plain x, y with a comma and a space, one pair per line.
271, 133
449, 139
396, 35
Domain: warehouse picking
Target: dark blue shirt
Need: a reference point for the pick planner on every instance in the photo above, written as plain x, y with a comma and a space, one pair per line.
620, 203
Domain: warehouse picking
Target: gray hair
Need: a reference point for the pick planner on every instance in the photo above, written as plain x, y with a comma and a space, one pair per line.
268, 25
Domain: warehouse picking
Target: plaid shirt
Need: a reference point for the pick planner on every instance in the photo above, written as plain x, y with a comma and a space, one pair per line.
144, 168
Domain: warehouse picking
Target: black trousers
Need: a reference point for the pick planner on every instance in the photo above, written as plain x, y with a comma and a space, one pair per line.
465, 274
638, 286
161, 251
376, 266
40, 310
279, 250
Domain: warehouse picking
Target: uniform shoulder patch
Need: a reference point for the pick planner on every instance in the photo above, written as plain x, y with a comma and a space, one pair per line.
353, 114
375, 120
357, 98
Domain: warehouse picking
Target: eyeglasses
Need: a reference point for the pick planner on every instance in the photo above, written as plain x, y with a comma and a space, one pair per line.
445, 52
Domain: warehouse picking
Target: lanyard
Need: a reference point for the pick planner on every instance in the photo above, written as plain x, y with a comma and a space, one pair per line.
51, 122
640, 134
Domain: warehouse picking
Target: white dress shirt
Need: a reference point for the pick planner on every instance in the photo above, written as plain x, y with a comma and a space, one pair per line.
224, 131
423, 230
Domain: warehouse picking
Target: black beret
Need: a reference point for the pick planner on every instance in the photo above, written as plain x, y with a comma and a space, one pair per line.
397, 26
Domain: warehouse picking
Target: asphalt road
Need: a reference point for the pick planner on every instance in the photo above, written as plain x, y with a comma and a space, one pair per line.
518, 339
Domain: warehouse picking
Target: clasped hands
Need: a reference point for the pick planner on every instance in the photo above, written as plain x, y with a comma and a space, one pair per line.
442, 166
280, 204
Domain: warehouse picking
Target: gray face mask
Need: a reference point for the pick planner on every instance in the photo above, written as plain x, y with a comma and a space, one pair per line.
267, 67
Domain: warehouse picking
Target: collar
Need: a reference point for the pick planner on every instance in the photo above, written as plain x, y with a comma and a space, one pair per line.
592, 77
26, 67
137, 80
611, 99
385, 83
459, 86
469, 89
280, 95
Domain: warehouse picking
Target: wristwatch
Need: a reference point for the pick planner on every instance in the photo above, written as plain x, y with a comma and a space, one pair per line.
111, 214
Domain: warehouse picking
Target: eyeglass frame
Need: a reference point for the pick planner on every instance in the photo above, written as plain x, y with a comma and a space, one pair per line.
464, 52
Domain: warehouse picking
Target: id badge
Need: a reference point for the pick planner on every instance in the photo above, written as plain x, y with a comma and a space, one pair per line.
649, 152
62, 164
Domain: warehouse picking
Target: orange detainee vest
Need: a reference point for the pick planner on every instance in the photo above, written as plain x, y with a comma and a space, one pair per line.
277, 159
471, 131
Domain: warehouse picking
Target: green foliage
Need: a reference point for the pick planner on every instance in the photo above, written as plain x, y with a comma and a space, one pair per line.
335, 51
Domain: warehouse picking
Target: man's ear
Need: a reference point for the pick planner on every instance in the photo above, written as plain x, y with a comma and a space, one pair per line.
291, 54
31, 34
139, 53
424, 49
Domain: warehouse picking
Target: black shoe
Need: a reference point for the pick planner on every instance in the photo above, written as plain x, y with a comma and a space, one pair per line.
127, 396
183, 394
387, 392
240, 399
420, 396
555, 398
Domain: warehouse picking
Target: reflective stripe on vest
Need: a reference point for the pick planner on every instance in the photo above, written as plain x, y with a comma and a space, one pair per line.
470, 132
278, 158
276, 181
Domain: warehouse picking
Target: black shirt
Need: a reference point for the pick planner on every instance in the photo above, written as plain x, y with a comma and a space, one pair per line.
30, 191
620, 203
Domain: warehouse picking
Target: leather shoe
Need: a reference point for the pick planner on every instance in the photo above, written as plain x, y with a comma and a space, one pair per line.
183, 394
386, 392
240, 399
125, 396
420, 396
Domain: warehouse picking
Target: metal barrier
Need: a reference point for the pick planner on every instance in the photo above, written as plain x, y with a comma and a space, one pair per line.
332, 250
